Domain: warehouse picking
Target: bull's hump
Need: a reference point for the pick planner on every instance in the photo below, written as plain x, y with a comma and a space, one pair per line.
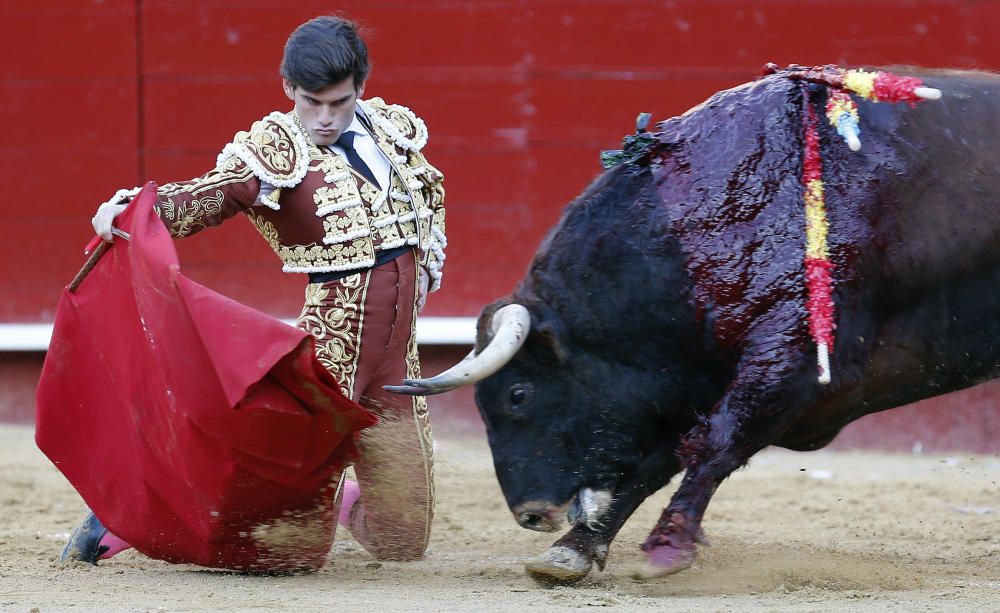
732, 90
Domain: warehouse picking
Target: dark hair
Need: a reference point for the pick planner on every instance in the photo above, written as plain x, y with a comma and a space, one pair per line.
323, 52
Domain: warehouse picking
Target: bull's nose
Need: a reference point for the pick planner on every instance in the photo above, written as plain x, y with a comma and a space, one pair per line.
532, 521
543, 518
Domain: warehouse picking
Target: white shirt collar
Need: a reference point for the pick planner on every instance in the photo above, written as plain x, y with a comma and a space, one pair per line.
357, 126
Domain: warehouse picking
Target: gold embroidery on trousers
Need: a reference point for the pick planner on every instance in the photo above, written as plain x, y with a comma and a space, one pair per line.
420, 414
330, 320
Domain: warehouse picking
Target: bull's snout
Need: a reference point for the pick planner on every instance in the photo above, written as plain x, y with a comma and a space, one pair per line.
542, 517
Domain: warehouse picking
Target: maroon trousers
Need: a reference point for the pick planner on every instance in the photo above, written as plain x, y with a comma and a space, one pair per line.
365, 330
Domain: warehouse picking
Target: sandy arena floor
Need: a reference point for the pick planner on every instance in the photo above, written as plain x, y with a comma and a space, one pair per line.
823, 531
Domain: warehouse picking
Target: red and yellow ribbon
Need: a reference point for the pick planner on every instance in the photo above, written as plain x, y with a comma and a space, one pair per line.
842, 113
817, 260
882, 86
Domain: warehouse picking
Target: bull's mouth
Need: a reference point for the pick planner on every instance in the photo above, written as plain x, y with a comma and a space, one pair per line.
587, 507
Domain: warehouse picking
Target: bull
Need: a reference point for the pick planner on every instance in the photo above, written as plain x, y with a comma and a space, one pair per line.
662, 325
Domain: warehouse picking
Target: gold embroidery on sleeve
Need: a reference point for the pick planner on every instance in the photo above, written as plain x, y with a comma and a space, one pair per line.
188, 216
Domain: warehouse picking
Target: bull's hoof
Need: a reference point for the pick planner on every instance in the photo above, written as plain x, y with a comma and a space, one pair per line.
559, 566
666, 560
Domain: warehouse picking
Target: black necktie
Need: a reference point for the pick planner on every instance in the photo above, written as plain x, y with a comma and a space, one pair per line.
346, 142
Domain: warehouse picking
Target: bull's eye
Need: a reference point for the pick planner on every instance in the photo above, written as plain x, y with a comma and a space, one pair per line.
520, 394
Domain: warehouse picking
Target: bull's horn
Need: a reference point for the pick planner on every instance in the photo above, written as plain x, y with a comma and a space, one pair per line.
510, 329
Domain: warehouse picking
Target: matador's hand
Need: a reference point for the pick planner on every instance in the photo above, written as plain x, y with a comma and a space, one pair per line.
104, 218
424, 282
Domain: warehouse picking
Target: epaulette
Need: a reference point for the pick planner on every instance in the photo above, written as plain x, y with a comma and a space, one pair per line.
274, 149
398, 122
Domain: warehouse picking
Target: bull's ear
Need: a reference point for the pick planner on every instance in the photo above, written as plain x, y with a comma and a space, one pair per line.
549, 332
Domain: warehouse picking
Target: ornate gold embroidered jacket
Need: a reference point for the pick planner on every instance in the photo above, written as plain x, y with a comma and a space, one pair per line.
323, 216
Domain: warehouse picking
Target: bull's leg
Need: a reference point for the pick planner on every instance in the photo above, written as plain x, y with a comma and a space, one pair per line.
571, 557
747, 419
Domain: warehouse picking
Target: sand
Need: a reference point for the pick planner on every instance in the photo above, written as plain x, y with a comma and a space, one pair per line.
824, 531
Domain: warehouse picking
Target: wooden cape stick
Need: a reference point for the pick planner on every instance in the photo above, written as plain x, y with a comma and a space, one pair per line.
95, 255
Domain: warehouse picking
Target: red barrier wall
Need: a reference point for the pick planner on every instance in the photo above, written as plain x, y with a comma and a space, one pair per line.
519, 95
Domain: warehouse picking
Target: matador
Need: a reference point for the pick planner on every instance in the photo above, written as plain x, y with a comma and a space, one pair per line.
340, 190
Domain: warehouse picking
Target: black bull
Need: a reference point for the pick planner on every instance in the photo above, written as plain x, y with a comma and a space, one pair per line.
668, 318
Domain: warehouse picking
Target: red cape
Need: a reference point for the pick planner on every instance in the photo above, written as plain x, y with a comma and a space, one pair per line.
196, 428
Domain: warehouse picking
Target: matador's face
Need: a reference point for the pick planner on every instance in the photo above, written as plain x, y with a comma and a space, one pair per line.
326, 113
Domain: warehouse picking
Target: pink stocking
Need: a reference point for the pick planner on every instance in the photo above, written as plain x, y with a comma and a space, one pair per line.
114, 544
350, 495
